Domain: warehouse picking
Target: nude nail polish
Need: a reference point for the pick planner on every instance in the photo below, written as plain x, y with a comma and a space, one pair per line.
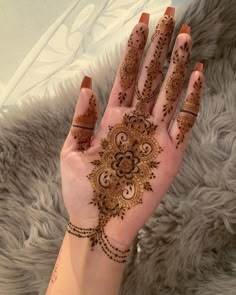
86, 83
144, 18
185, 29
198, 67
170, 11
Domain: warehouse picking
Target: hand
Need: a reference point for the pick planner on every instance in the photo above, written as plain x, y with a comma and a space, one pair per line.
113, 180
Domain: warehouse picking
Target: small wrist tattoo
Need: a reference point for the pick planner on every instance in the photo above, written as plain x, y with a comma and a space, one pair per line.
98, 236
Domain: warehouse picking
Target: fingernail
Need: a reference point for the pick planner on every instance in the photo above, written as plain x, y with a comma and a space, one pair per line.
185, 29
170, 11
198, 67
86, 83
144, 18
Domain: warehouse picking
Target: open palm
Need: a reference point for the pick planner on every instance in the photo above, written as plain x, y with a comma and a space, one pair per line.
114, 179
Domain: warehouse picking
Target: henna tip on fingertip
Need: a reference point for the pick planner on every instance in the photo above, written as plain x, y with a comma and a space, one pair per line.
198, 67
144, 18
170, 11
185, 29
86, 83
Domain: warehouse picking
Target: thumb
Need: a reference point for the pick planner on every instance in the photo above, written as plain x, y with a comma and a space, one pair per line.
85, 117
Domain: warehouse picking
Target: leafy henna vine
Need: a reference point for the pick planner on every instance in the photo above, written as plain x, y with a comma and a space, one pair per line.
123, 173
188, 113
128, 155
83, 126
163, 33
129, 67
175, 82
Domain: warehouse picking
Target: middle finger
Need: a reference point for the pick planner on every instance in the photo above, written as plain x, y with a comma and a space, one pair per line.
151, 70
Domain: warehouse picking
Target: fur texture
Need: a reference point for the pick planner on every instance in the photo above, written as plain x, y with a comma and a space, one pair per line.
188, 245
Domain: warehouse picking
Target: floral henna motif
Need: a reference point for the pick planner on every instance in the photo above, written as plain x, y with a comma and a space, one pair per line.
83, 126
125, 164
188, 113
129, 67
164, 27
118, 178
175, 82
122, 175
163, 33
128, 156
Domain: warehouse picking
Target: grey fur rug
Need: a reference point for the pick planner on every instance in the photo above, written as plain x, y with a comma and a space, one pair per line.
189, 245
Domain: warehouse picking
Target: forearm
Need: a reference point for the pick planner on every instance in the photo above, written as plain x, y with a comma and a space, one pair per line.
78, 270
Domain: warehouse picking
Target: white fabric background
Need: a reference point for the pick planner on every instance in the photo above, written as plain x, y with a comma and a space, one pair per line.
44, 41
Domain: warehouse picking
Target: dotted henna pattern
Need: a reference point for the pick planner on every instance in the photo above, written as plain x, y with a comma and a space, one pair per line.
98, 236
175, 82
188, 113
163, 33
122, 174
129, 153
129, 67
83, 126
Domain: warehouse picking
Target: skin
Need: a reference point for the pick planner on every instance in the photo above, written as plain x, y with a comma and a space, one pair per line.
81, 269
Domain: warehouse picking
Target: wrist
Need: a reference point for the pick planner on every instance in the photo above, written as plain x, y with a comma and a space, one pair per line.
116, 230
100, 241
97, 272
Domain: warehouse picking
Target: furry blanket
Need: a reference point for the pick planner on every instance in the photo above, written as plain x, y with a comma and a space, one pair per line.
188, 245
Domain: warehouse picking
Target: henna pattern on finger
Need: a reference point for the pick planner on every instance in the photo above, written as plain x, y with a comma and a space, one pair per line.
129, 154
176, 80
189, 111
83, 126
163, 33
164, 27
129, 67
